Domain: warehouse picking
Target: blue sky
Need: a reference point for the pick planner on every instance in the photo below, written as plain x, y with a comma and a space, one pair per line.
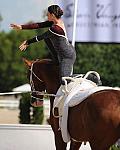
22, 11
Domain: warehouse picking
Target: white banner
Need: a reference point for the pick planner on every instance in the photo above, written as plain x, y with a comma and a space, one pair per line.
97, 20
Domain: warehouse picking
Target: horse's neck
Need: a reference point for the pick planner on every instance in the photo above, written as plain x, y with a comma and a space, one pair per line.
49, 72
51, 75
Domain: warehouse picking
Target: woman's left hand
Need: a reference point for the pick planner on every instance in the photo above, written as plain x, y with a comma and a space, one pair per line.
23, 46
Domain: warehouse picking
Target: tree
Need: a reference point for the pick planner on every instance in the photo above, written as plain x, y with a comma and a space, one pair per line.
103, 58
12, 68
29, 114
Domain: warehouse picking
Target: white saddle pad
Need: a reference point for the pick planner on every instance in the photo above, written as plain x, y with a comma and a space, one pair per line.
78, 91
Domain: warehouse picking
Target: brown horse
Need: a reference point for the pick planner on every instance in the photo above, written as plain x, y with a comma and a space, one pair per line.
96, 119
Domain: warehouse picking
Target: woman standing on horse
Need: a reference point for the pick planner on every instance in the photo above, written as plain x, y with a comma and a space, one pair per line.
55, 38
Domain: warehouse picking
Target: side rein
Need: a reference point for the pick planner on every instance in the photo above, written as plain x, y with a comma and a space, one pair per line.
37, 95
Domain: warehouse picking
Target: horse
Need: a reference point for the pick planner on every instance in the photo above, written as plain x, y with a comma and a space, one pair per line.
96, 119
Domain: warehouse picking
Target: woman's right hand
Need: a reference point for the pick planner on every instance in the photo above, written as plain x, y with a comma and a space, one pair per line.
16, 26
23, 46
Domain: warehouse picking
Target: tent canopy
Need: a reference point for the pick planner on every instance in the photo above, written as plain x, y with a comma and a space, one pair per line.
22, 88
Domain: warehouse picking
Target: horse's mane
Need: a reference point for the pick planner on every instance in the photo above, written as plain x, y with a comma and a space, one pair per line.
45, 61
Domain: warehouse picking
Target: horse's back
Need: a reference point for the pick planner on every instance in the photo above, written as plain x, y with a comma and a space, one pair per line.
99, 113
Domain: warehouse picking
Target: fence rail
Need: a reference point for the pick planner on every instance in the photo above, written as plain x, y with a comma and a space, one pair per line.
22, 137
31, 137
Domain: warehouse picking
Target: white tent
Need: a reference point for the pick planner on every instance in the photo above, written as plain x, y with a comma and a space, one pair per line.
23, 88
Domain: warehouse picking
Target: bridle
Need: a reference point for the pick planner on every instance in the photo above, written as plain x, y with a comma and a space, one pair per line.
33, 90
31, 77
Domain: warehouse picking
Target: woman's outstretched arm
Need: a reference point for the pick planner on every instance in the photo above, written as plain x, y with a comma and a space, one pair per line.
32, 25
38, 38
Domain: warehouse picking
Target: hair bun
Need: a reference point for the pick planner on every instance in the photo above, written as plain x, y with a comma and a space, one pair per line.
56, 10
60, 12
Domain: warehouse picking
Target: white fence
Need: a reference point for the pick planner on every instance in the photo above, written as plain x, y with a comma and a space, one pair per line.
28, 137
9, 103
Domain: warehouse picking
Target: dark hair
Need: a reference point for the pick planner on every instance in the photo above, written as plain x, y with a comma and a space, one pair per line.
56, 10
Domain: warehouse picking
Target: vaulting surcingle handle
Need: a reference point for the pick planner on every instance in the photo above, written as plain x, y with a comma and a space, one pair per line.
94, 72
65, 80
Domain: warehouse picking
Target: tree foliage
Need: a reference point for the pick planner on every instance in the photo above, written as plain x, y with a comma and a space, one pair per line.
103, 58
29, 114
12, 68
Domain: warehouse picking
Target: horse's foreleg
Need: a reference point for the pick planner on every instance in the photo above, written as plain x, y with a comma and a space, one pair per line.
75, 145
59, 143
